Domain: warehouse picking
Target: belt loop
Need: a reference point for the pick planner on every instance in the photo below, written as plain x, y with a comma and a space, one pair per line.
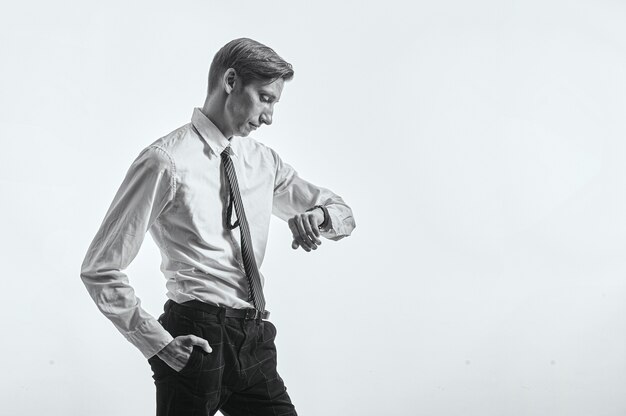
221, 315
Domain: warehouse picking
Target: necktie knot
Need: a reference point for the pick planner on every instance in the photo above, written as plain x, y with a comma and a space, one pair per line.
226, 151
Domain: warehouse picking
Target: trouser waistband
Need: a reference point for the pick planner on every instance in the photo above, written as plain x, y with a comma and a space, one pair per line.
247, 313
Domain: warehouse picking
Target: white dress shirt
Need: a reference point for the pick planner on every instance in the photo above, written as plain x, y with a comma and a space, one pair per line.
176, 189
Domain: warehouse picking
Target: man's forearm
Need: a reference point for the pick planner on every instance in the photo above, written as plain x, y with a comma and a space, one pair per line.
116, 299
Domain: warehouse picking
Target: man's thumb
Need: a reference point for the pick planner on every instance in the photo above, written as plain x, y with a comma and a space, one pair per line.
202, 343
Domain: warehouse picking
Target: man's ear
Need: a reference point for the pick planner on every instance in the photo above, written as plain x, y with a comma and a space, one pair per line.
229, 79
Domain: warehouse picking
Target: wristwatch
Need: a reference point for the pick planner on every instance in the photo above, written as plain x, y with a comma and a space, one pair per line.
324, 225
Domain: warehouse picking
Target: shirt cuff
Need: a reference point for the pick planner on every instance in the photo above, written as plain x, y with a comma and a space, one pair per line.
149, 338
339, 226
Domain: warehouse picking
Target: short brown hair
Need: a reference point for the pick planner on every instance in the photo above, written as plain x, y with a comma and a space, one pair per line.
251, 60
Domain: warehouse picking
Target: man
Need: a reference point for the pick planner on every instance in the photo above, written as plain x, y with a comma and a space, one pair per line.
206, 193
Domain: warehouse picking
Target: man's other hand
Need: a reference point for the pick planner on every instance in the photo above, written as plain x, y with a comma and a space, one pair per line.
177, 353
305, 229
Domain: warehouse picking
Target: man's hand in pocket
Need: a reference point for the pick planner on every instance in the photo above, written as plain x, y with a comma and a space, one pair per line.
177, 353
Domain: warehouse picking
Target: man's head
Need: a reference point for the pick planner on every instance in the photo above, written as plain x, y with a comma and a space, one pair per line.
246, 79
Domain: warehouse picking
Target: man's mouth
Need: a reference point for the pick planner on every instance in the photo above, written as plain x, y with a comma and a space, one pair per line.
253, 126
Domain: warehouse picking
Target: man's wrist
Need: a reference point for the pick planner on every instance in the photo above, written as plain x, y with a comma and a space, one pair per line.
163, 352
325, 222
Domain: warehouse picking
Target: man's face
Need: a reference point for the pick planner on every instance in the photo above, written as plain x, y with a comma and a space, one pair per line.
249, 106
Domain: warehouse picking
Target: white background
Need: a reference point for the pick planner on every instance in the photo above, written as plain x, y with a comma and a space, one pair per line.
480, 145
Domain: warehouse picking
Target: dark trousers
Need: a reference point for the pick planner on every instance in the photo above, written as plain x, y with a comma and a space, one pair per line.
238, 378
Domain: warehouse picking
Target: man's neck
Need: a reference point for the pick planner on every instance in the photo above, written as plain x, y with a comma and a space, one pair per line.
215, 113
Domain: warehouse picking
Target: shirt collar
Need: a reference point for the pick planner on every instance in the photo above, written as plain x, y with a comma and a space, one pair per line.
210, 133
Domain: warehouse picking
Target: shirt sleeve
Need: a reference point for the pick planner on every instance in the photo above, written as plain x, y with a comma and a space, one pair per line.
146, 191
294, 195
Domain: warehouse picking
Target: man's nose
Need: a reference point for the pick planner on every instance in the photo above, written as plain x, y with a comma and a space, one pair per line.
266, 117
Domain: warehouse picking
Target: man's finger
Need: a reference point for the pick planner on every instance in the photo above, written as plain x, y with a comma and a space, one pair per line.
315, 226
294, 228
295, 244
305, 231
295, 233
309, 232
200, 342
311, 228
307, 243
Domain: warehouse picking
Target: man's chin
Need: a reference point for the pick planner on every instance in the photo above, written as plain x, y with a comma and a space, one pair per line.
243, 133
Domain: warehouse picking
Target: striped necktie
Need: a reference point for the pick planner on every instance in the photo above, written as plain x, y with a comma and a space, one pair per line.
255, 290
